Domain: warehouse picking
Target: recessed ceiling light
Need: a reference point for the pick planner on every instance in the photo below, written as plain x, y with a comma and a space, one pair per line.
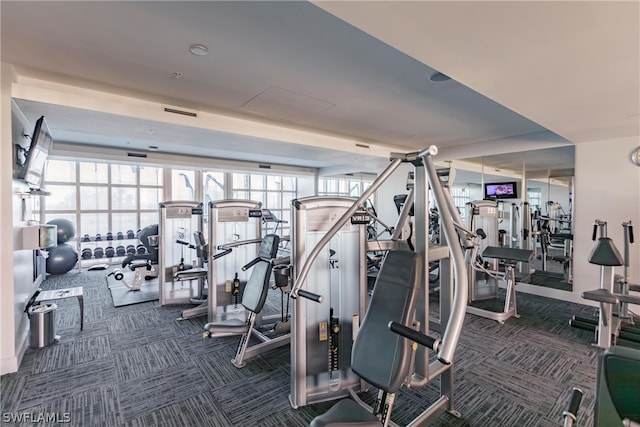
438, 77
150, 131
198, 49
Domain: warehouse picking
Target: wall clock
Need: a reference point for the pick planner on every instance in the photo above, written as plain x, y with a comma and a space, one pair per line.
635, 156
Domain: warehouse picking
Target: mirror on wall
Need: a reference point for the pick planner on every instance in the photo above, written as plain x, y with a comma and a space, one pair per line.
536, 215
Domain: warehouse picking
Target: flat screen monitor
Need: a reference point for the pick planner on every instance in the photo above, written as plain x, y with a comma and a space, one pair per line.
501, 190
33, 168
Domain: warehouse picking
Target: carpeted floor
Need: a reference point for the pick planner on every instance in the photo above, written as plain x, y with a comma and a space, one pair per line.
137, 366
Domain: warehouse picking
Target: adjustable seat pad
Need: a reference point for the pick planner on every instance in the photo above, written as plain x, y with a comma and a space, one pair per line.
379, 356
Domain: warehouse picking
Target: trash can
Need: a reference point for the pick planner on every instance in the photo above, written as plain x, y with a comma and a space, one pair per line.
42, 320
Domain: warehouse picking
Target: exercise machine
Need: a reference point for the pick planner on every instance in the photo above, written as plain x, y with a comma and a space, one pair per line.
617, 390
198, 272
392, 303
235, 230
179, 219
254, 296
614, 322
496, 264
322, 334
453, 293
143, 265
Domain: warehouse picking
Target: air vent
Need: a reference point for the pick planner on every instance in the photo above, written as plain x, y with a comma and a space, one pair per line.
362, 145
144, 156
181, 112
264, 166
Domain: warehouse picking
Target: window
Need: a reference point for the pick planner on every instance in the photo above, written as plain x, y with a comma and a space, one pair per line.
534, 197
460, 195
343, 187
275, 192
101, 197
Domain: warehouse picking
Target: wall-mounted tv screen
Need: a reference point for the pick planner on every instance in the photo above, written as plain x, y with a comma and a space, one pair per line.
501, 190
33, 168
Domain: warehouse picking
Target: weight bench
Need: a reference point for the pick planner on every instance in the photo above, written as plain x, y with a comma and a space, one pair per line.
253, 299
509, 257
381, 357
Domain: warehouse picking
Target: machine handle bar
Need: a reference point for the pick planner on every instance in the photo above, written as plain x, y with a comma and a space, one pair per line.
221, 254
413, 335
251, 263
629, 226
310, 295
182, 242
570, 414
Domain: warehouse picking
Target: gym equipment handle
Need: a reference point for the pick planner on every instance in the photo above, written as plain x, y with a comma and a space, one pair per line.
595, 232
310, 295
570, 414
413, 335
251, 264
182, 242
221, 254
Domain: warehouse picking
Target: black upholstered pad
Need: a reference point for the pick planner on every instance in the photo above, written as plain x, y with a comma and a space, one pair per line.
229, 326
380, 356
622, 375
601, 295
255, 292
605, 253
510, 254
346, 413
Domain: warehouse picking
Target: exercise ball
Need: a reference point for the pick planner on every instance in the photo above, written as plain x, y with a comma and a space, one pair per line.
62, 258
66, 229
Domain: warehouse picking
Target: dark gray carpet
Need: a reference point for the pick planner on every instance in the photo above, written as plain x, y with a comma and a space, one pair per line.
137, 366
121, 295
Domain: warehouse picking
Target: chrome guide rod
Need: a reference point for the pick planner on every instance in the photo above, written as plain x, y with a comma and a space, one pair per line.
306, 267
456, 320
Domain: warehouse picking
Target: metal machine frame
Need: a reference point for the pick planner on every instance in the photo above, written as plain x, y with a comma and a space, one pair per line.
453, 293
187, 213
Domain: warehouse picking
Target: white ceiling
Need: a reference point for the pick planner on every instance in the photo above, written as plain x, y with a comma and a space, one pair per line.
321, 83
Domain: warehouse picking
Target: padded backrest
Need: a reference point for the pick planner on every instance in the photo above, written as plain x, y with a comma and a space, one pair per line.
201, 246
622, 376
379, 356
255, 291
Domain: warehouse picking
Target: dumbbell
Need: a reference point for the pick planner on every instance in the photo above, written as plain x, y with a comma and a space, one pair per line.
121, 251
141, 250
98, 237
109, 235
131, 234
110, 252
87, 253
119, 235
86, 238
98, 252
131, 249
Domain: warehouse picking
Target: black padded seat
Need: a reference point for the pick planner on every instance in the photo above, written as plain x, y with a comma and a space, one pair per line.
381, 357
346, 413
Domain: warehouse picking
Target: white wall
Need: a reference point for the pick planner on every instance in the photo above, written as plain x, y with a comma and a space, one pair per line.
607, 187
16, 268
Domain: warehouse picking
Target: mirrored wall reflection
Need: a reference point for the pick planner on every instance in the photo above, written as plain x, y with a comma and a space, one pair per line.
536, 216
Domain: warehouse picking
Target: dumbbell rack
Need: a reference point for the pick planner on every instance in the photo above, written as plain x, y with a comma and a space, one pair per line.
91, 243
